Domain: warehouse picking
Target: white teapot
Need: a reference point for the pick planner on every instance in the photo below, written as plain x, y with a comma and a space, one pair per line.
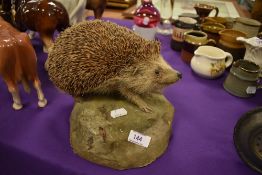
210, 62
253, 49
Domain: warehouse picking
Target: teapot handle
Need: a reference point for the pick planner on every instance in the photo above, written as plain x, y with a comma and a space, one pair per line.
217, 10
259, 86
212, 41
229, 59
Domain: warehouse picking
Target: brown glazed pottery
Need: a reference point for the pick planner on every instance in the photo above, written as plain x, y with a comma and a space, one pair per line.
181, 25
212, 29
229, 43
216, 19
226, 21
203, 10
193, 39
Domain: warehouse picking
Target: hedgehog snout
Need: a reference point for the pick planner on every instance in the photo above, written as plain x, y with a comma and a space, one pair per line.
172, 76
179, 75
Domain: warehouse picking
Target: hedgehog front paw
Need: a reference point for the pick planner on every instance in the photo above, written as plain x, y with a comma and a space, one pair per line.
146, 108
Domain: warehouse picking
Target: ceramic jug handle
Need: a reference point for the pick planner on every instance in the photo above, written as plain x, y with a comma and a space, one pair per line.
217, 10
229, 59
211, 41
260, 76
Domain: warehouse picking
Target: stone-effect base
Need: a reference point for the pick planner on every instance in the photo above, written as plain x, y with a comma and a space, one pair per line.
99, 138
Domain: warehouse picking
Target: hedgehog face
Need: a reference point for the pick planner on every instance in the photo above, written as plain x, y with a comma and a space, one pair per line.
150, 76
163, 74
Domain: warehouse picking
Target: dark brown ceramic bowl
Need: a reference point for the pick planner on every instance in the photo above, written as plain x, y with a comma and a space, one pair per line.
212, 27
216, 19
230, 35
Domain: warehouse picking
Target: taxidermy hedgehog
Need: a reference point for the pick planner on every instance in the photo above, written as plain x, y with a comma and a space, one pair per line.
98, 57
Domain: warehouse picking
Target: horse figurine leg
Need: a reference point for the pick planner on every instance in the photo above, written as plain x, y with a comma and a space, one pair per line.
25, 85
47, 40
97, 6
41, 98
13, 89
31, 34
98, 13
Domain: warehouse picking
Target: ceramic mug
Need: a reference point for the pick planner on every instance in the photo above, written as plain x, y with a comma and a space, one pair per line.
247, 25
182, 25
193, 39
210, 62
243, 78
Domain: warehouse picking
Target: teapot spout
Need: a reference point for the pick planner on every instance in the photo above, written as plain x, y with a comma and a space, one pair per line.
240, 38
253, 42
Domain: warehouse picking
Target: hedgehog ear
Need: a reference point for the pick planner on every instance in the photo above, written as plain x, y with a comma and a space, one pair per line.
153, 47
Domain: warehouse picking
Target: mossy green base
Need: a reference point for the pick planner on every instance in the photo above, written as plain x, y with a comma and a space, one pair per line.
99, 138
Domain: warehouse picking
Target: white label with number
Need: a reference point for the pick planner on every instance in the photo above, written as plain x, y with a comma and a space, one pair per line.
118, 113
139, 139
251, 90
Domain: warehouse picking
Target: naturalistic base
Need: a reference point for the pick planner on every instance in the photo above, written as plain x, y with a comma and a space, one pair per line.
99, 138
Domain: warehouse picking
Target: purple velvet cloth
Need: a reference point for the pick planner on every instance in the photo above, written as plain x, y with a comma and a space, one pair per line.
35, 141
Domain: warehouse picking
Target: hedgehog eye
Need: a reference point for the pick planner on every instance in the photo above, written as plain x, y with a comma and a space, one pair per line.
157, 72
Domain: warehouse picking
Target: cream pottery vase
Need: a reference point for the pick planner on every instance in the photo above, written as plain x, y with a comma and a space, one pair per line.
210, 62
253, 49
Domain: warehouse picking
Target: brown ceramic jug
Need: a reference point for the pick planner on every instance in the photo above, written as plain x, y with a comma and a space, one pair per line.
229, 43
203, 10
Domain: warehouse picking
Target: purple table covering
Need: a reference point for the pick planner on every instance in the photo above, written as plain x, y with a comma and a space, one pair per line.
35, 141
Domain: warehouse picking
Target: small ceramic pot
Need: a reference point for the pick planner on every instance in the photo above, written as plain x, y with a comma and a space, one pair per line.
247, 25
216, 19
193, 39
253, 49
226, 21
203, 10
182, 25
228, 43
210, 62
190, 15
212, 29
242, 81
